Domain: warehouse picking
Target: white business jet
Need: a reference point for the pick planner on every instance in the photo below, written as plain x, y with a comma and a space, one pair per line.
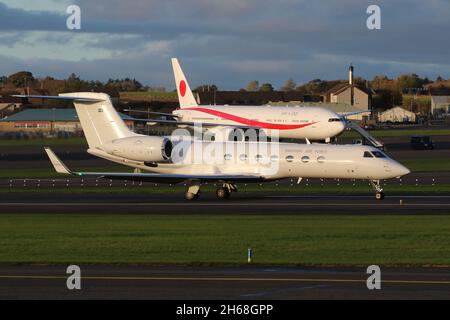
166, 160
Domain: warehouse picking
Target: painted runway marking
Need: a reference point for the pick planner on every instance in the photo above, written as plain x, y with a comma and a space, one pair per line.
225, 279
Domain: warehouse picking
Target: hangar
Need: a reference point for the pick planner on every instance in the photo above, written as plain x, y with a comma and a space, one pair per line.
47, 121
397, 114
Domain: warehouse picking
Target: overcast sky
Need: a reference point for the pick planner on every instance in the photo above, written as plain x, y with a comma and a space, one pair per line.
226, 42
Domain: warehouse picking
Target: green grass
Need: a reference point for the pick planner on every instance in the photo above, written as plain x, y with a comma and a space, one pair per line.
427, 165
43, 142
224, 239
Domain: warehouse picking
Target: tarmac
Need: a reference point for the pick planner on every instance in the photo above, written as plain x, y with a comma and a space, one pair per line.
239, 203
220, 283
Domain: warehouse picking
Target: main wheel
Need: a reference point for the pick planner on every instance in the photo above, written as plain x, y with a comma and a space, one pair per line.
222, 194
379, 196
191, 196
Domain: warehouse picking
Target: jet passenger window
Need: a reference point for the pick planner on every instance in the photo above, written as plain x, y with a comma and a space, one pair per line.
367, 154
289, 158
378, 154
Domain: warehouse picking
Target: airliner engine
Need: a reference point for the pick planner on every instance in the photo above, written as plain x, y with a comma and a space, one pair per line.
141, 148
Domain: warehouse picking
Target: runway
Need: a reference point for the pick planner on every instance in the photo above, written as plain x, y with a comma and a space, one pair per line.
241, 283
240, 203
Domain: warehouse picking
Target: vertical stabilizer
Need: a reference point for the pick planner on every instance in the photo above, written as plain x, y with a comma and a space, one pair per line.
101, 123
185, 96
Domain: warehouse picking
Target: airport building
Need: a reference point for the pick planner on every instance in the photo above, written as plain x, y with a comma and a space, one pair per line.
47, 121
440, 104
397, 115
357, 97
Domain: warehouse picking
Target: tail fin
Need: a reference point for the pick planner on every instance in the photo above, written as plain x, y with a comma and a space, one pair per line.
185, 96
100, 121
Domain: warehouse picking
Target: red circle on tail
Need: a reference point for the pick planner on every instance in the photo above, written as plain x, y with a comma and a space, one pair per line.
182, 88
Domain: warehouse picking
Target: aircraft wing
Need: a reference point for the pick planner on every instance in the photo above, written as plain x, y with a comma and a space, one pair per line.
60, 167
152, 112
193, 124
354, 113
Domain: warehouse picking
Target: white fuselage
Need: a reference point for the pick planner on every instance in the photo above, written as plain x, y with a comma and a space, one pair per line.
269, 160
289, 122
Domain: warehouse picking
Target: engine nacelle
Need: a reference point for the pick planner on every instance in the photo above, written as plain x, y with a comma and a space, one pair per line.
141, 148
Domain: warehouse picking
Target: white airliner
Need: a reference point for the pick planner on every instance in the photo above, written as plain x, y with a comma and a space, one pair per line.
311, 123
108, 137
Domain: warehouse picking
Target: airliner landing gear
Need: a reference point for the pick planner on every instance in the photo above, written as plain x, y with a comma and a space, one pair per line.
193, 193
225, 191
379, 195
222, 194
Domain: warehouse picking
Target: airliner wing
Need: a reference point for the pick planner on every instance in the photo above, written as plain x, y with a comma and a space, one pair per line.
152, 112
60, 167
354, 113
193, 124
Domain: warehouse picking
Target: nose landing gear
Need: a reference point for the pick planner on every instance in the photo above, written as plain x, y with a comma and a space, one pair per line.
193, 193
379, 195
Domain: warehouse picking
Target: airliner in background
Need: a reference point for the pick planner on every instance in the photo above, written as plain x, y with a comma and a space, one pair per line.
313, 123
109, 138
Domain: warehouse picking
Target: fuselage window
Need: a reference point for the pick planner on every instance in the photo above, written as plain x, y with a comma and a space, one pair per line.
243, 157
290, 158
378, 154
228, 157
367, 154
258, 157
274, 158
305, 159
321, 159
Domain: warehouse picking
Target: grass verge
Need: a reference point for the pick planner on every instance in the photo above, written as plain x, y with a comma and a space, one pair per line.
224, 239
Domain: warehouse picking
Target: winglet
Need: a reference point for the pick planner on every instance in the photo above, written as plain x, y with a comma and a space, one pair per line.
185, 96
59, 166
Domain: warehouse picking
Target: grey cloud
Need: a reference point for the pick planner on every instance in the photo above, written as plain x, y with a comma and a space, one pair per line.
231, 42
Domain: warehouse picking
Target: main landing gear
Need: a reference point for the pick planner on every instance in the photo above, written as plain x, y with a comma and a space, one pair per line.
379, 195
225, 191
222, 193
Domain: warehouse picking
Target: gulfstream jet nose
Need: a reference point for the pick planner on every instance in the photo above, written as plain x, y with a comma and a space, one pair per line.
398, 170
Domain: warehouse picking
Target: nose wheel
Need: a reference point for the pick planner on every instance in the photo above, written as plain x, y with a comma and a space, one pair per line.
379, 194
193, 193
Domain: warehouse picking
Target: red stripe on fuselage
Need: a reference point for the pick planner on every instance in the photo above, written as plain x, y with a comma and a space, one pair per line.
251, 123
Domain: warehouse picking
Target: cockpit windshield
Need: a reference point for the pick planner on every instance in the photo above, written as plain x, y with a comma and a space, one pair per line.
335, 120
376, 154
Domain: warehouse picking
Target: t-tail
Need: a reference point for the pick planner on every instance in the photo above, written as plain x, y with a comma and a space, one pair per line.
101, 123
185, 95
